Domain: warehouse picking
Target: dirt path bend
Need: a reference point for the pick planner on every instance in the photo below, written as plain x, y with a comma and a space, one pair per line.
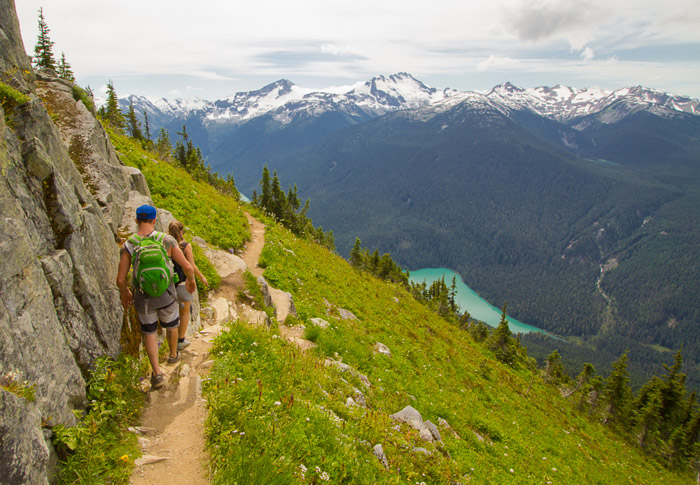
253, 249
172, 425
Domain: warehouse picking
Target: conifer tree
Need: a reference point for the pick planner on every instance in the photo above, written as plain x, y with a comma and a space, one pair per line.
163, 145
64, 70
356, 254
586, 374
617, 391
147, 127
110, 111
501, 342
553, 368
133, 123
266, 195
43, 51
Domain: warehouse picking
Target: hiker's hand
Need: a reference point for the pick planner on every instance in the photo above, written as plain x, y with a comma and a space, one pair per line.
126, 298
190, 285
204, 280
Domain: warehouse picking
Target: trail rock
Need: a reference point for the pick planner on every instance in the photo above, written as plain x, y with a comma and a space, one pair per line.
421, 450
378, 451
149, 459
410, 416
283, 303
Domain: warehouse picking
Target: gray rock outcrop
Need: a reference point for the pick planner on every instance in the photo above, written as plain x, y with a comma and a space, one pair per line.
411, 416
62, 194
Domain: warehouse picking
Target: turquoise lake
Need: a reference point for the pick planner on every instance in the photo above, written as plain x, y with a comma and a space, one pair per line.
467, 299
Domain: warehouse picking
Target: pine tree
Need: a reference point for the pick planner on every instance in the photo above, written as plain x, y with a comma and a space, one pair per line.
147, 127
43, 51
501, 342
586, 374
618, 394
133, 123
553, 368
163, 145
110, 111
356, 254
266, 195
64, 70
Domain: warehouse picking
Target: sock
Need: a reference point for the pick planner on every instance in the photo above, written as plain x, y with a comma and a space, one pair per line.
180, 340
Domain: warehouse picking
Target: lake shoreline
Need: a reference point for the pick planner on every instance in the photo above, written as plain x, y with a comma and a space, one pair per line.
467, 299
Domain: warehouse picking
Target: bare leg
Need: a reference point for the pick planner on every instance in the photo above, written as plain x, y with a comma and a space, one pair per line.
172, 341
151, 344
184, 319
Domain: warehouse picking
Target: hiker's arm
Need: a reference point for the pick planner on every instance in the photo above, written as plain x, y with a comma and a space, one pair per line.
124, 264
189, 254
180, 259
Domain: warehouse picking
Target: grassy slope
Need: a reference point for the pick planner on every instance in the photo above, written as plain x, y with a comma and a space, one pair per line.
212, 216
274, 409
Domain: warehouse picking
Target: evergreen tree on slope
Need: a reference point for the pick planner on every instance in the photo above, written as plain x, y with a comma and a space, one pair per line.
43, 51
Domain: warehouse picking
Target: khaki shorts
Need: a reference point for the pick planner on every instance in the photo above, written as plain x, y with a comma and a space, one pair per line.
168, 316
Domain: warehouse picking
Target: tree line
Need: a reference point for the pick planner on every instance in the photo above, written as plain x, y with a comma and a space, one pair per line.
288, 210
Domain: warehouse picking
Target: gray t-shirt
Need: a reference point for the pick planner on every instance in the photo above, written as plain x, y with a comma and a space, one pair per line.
142, 302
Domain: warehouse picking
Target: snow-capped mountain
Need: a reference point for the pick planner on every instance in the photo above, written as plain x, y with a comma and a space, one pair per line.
565, 104
284, 101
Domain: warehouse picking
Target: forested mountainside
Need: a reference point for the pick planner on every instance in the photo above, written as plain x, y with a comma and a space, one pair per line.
573, 205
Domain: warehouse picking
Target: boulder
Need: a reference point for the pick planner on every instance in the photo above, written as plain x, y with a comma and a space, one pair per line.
346, 314
224, 262
378, 451
283, 302
410, 416
319, 322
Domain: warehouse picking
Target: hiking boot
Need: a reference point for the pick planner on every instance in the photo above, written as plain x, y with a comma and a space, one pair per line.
184, 344
174, 360
157, 381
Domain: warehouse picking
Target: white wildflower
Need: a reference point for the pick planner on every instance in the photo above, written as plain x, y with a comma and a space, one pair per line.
277, 403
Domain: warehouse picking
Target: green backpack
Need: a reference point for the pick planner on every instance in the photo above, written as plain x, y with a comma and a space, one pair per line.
153, 272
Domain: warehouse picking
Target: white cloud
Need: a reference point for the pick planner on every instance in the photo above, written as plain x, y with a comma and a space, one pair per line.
228, 42
496, 63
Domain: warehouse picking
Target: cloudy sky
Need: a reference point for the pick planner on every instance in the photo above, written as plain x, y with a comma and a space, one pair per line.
212, 49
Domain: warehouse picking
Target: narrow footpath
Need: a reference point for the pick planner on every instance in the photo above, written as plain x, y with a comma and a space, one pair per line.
171, 433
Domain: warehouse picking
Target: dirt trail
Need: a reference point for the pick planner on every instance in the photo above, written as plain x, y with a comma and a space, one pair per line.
172, 425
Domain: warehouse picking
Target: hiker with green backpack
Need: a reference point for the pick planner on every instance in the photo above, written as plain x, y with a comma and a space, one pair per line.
153, 284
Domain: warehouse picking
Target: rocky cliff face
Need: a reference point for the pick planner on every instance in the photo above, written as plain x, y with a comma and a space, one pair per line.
62, 198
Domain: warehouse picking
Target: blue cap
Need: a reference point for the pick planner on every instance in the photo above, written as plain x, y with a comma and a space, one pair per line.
146, 212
